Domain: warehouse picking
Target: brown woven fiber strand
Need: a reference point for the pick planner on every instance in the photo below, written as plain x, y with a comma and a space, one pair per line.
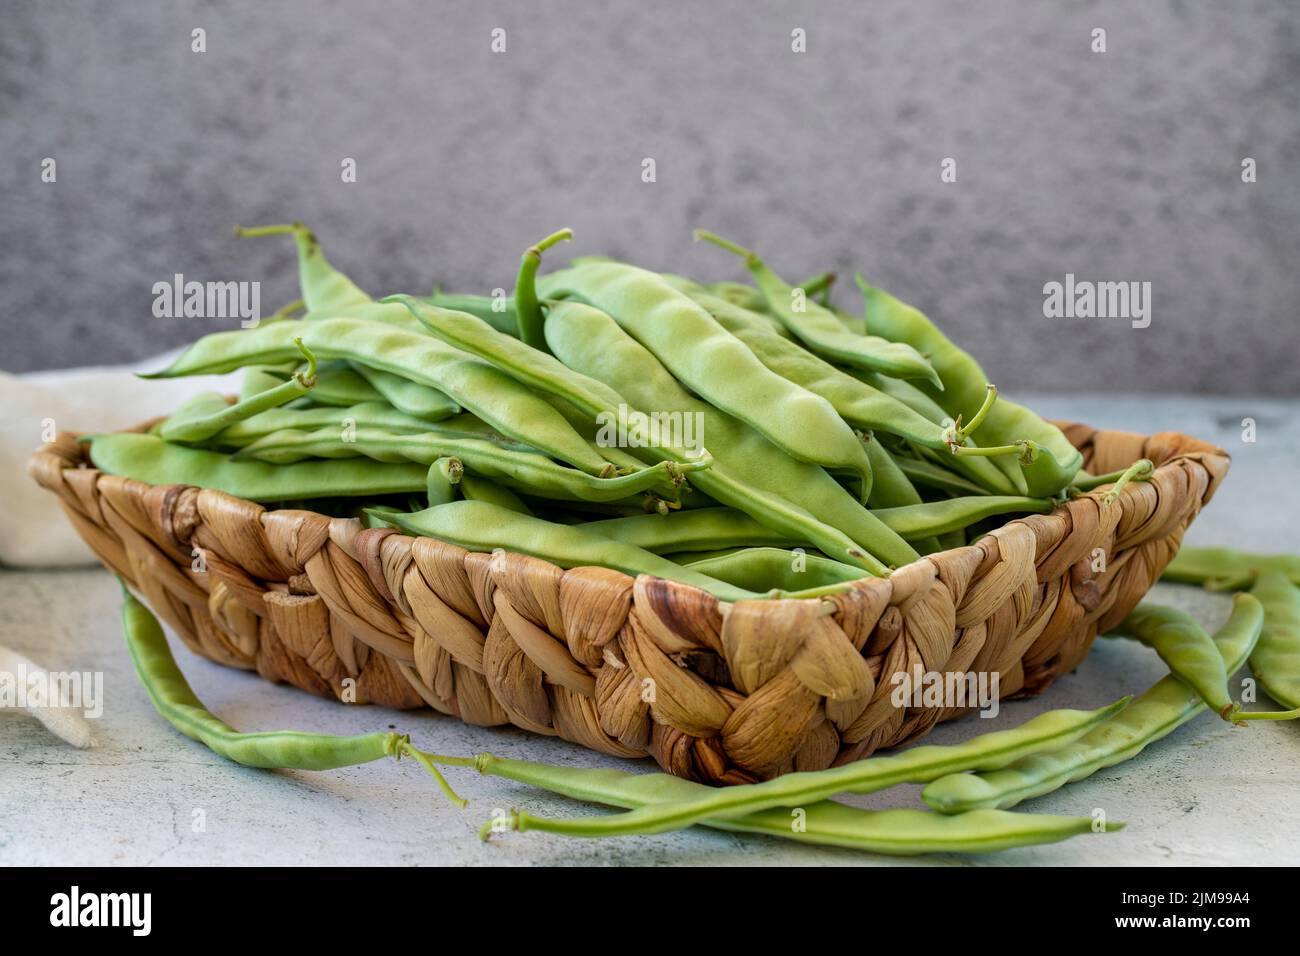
721, 693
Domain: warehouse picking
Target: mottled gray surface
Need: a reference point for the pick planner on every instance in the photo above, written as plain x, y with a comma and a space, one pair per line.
1123, 165
1209, 794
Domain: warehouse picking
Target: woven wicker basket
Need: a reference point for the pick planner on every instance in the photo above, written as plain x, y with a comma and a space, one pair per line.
737, 692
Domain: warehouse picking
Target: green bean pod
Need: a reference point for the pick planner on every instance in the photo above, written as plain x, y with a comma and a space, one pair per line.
524, 471
474, 488
1225, 569
200, 419
379, 415
1276, 659
917, 765
489, 393
939, 517
338, 384
258, 378
416, 400
704, 529
773, 569
826, 823
173, 698
920, 471
498, 312
1187, 650
819, 329
1167, 705
858, 403
747, 297
481, 526
149, 459
709, 361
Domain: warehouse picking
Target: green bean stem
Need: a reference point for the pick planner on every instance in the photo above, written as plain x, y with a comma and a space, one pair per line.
528, 310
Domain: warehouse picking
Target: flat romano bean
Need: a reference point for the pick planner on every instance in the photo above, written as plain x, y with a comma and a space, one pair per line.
795, 498
337, 383
365, 415
922, 472
858, 403
826, 823
1159, 711
1276, 659
1054, 462
712, 363
189, 424
819, 329
414, 399
745, 296
259, 378
952, 539
892, 488
175, 700
1187, 650
481, 526
768, 569
704, 529
489, 393
496, 311
1221, 569
149, 459
940, 517
917, 765
525, 471
474, 488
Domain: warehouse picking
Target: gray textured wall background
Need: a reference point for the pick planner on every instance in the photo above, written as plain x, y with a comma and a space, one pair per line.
1116, 166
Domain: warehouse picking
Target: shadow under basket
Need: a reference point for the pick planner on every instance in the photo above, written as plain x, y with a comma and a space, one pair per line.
715, 692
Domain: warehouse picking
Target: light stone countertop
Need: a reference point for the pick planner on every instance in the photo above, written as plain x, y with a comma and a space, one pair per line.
1209, 794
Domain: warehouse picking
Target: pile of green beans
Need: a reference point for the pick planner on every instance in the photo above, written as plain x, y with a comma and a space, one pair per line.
604, 392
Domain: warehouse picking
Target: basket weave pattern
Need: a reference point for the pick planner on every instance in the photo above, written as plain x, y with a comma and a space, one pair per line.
714, 692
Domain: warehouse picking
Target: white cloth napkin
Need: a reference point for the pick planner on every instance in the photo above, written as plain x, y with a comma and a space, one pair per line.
33, 529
